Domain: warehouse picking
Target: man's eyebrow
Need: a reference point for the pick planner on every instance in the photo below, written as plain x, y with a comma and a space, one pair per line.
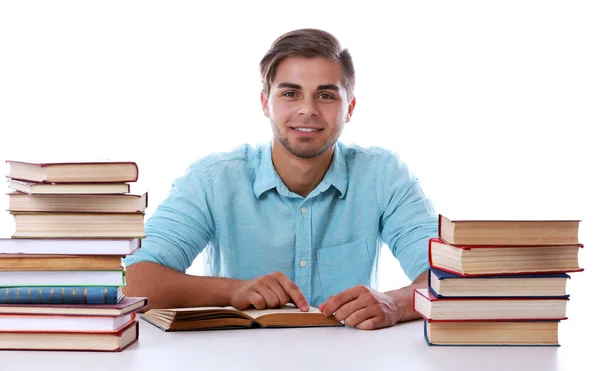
289, 85
328, 87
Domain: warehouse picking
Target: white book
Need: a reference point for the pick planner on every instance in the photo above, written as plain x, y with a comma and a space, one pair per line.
49, 323
61, 278
62, 246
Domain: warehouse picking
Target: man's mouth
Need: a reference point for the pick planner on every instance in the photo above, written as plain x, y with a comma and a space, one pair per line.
307, 130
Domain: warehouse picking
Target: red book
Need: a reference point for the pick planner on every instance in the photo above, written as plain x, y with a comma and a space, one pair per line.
71, 341
502, 260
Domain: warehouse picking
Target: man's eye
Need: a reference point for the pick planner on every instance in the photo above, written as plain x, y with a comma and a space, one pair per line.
290, 94
326, 96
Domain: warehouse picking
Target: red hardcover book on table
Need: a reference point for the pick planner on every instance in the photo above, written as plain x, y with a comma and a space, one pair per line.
71, 341
502, 260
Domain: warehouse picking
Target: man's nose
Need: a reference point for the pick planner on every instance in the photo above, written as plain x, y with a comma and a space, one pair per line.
308, 107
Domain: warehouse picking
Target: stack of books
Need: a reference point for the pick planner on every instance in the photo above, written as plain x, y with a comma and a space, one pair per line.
61, 272
498, 282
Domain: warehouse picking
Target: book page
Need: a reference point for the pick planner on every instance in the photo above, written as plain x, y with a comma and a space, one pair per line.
288, 309
202, 309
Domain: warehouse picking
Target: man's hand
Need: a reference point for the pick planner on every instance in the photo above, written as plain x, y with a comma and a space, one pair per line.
362, 307
367, 309
271, 291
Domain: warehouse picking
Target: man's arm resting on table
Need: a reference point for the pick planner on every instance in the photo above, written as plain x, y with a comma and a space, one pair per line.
403, 298
167, 288
367, 309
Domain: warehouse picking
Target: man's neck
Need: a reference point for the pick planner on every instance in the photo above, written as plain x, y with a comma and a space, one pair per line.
300, 175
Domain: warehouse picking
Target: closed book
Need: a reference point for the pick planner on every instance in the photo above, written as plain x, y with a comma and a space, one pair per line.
74, 203
445, 284
125, 306
71, 341
69, 246
62, 278
78, 225
31, 188
508, 232
49, 323
61, 295
502, 260
74, 172
487, 309
21, 262
520, 333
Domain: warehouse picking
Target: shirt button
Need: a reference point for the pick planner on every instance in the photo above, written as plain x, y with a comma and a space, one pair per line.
303, 210
303, 263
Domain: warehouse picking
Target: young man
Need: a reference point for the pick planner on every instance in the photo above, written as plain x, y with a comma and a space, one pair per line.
301, 219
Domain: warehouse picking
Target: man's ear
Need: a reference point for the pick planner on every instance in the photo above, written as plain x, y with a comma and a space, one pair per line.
264, 100
350, 109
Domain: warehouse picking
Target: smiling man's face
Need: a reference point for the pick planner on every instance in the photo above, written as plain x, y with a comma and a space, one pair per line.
307, 105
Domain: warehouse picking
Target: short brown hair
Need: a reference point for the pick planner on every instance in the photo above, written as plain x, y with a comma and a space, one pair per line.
307, 43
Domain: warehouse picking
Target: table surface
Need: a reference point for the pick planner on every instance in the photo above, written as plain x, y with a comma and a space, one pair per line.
401, 347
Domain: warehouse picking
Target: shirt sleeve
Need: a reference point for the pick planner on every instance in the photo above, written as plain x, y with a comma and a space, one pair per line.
408, 218
182, 225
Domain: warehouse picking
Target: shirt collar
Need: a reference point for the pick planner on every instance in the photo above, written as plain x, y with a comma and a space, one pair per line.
267, 177
337, 175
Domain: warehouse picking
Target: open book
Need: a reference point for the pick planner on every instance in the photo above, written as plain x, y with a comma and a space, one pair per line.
213, 318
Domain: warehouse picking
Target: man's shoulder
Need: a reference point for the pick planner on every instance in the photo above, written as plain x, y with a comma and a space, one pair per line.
244, 155
365, 154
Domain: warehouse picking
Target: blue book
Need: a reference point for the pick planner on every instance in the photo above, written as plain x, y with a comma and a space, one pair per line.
448, 285
61, 295
497, 333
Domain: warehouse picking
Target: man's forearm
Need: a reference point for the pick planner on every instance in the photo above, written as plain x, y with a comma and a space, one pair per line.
403, 298
167, 288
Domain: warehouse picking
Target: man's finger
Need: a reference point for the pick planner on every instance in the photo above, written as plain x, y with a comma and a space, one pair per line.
269, 296
371, 324
335, 302
294, 292
358, 317
279, 291
349, 308
256, 300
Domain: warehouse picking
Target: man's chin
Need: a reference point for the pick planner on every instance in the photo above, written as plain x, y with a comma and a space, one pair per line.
305, 152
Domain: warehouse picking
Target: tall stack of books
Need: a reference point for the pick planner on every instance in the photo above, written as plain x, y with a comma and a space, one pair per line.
61, 275
498, 282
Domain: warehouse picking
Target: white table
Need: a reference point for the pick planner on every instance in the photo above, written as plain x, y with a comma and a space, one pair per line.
401, 347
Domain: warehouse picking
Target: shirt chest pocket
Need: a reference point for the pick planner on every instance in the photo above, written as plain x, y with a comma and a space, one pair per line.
344, 266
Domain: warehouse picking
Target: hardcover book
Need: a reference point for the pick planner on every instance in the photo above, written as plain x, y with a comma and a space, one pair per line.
445, 284
502, 260
212, 318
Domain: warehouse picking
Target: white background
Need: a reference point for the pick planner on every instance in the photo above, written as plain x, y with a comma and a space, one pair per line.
494, 105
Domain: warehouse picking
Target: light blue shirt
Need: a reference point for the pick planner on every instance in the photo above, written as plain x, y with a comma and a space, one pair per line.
235, 207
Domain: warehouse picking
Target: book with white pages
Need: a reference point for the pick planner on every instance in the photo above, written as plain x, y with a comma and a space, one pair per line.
31, 188
52, 323
61, 278
64, 246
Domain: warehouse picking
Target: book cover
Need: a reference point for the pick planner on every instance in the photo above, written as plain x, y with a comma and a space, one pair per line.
61, 295
482, 344
443, 275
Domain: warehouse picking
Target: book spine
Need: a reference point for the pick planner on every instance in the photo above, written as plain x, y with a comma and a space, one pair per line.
59, 295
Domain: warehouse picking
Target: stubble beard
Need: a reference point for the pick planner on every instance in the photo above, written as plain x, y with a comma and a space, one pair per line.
305, 149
